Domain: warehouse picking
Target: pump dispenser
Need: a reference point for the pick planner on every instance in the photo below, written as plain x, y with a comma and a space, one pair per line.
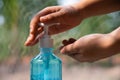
46, 66
46, 41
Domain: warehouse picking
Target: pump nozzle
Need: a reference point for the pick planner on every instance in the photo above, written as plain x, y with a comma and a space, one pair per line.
46, 40
46, 27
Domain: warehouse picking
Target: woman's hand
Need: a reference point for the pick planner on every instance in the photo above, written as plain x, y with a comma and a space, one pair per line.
91, 47
67, 16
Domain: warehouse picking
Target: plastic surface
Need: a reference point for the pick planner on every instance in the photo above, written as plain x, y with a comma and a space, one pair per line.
46, 66
46, 41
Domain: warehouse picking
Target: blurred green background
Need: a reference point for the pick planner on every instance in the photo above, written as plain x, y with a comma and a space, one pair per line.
15, 16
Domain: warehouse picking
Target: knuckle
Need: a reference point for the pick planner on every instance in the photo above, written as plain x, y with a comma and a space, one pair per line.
47, 17
31, 31
75, 48
48, 8
50, 17
34, 22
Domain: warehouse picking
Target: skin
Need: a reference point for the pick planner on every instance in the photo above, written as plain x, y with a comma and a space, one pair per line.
92, 47
88, 48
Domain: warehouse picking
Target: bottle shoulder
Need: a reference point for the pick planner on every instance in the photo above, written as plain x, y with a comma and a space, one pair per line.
44, 57
56, 57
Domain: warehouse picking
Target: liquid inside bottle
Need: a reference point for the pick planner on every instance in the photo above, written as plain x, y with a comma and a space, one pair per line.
46, 66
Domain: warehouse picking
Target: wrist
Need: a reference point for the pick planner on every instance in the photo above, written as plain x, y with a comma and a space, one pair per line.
116, 34
115, 47
86, 8
80, 9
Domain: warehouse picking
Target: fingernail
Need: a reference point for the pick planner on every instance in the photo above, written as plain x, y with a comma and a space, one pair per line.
27, 42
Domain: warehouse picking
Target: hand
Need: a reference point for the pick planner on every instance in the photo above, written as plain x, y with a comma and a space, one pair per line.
91, 48
68, 17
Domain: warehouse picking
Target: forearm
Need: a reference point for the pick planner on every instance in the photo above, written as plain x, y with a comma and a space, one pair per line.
90, 8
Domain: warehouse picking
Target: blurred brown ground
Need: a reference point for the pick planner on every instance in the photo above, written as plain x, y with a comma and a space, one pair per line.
74, 72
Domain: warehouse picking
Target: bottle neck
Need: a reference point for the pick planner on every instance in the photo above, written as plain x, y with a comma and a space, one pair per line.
46, 50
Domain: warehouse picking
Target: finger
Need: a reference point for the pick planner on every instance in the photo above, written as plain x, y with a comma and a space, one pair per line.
65, 42
40, 30
33, 30
50, 18
69, 49
49, 10
49, 13
54, 14
34, 25
37, 39
58, 29
29, 41
79, 57
72, 40
76, 56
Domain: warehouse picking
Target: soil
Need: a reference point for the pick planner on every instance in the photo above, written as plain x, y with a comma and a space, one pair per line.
75, 72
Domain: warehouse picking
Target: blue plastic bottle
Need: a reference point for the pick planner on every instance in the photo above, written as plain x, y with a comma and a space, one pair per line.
46, 66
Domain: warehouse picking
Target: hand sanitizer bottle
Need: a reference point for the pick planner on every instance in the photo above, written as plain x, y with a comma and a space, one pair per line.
46, 66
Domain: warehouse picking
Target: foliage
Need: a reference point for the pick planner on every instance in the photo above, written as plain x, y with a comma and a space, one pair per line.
14, 31
18, 13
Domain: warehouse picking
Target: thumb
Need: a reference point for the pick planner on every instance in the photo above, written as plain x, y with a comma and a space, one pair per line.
69, 49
